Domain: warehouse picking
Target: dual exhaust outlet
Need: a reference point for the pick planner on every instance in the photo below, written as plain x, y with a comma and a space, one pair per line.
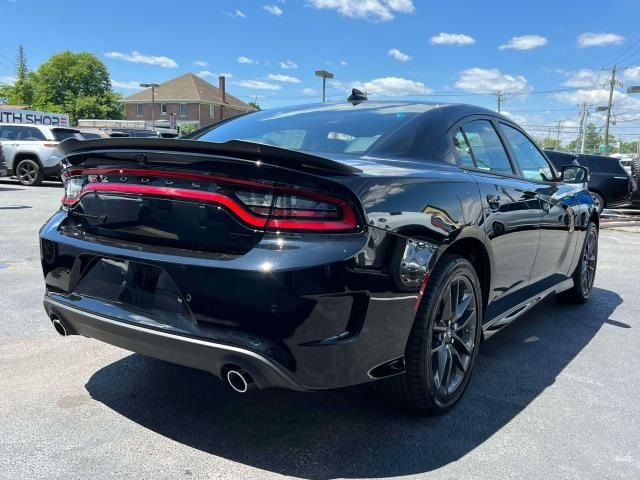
236, 377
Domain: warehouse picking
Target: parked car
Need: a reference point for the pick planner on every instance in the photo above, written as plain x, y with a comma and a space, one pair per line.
320, 246
609, 183
3, 164
31, 151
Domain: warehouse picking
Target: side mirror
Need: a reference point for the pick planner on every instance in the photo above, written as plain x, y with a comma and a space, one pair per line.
574, 174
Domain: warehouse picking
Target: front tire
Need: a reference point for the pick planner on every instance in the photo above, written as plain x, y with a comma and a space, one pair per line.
443, 344
29, 172
585, 272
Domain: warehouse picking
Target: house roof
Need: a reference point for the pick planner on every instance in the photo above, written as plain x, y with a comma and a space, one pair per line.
187, 88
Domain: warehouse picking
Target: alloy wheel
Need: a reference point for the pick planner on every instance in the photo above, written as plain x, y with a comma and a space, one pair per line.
27, 173
589, 261
453, 335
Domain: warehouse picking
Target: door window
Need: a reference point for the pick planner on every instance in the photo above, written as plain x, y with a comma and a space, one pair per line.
486, 148
532, 163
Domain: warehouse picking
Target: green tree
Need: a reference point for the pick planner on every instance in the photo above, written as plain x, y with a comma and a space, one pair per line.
22, 91
549, 142
77, 84
255, 105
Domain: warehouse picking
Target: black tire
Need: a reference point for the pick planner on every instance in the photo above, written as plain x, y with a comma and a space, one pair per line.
29, 172
635, 170
431, 341
599, 201
582, 286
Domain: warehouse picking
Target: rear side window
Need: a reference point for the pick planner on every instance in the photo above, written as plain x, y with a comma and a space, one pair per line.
31, 133
532, 163
463, 149
61, 135
598, 164
486, 148
10, 132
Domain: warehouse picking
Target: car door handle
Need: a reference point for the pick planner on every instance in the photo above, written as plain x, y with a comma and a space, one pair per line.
493, 201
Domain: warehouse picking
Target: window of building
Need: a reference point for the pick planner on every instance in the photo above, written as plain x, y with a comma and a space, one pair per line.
212, 112
183, 110
163, 109
139, 109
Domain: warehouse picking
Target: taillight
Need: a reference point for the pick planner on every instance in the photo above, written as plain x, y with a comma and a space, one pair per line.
304, 211
260, 206
73, 189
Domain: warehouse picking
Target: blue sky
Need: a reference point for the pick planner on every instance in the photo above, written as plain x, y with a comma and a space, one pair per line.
546, 55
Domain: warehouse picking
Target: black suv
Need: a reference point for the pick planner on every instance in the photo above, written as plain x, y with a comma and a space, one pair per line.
609, 183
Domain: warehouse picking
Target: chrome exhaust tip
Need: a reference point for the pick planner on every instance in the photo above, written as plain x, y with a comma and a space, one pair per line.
239, 380
59, 326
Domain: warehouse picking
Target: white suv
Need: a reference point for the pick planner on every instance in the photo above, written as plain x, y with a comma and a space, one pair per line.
31, 151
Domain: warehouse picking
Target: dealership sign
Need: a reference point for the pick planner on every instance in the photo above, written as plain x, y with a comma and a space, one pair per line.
36, 118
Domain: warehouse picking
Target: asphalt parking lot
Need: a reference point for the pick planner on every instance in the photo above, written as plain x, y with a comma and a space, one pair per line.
555, 395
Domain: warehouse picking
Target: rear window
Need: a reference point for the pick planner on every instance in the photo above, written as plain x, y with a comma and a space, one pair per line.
559, 159
600, 164
344, 128
61, 134
90, 136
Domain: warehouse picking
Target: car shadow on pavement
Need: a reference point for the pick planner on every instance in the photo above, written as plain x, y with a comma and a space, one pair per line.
350, 433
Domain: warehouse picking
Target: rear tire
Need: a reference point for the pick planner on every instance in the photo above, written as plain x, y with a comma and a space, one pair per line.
443, 344
585, 272
29, 172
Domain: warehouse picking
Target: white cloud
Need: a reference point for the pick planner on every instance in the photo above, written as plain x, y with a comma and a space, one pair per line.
344, 63
288, 65
591, 96
126, 85
632, 74
524, 42
372, 10
257, 85
137, 57
589, 39
8, 79
201, 63
239, 14
245, 60
452, 39
398, 55
283, 78
393, 86
582, 78
309, 91
482, 80
273, 9
207, 73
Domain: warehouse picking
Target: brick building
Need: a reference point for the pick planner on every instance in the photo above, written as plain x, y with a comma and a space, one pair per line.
190, 98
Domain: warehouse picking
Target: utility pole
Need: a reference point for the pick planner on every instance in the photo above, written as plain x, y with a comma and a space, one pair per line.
583, 128
558, 135
500, 97
612, 85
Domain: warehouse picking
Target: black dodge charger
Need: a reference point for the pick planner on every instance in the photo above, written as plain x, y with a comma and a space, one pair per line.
319, 247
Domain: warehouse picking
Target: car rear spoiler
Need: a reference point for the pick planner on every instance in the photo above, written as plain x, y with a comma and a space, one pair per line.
238, 149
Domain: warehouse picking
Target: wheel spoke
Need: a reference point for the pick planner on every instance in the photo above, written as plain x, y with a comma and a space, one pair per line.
447, 308
438, 348
462, 306
445, 362
463, 344
466, 318
457, 360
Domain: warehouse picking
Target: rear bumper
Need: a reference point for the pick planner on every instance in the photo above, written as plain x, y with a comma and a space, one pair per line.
182, 350
312, 321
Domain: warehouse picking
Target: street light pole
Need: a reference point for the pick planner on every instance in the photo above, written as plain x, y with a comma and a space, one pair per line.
324, 75
153, 101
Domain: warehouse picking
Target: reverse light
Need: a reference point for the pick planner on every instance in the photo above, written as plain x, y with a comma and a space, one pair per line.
72, 190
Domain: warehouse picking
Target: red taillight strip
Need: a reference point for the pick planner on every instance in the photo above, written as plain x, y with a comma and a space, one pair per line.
177, 193
347, 223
